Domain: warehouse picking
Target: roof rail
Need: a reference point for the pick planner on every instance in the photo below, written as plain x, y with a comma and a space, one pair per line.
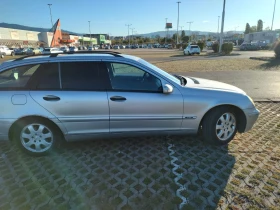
116, 54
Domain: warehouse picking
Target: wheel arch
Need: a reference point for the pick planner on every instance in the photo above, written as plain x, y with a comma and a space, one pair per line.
241, 117
47, 120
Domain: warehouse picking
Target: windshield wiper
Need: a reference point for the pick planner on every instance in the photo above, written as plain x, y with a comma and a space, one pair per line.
183, 81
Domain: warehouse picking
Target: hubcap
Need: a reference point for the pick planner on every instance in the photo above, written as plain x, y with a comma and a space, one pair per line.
225, 126
36, 138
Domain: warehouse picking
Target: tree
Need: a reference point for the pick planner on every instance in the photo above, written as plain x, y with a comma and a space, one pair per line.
260, 25
174, 37
157, 37
183, 33
185, 39
247, 29
253, 29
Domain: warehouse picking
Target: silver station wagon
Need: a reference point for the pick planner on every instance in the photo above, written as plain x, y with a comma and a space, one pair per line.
82, 96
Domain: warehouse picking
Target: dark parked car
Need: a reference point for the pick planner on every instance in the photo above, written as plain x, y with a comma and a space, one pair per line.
248, 46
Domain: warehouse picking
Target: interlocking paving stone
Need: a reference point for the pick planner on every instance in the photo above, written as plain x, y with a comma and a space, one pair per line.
174, 172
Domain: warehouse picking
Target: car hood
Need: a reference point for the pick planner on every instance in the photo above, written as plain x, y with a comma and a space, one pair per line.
211, 85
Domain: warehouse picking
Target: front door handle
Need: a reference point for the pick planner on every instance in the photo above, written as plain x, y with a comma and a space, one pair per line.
117, 98
51, 98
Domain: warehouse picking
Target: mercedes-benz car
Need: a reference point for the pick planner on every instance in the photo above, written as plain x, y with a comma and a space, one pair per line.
82, 96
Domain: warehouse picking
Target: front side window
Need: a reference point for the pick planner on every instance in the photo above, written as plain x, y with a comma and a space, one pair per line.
17, 77
126, 77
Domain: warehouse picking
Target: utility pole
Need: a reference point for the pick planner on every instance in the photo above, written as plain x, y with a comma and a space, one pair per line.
178, 2
218, 24
165, 30
128, 25
273, 15
190, 29
51, 14
222, 30
89, 33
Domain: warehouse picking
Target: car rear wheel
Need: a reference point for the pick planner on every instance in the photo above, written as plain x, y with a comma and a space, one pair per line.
36, 137
219, 126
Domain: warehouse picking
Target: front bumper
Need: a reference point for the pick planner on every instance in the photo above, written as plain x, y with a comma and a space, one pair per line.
251, 116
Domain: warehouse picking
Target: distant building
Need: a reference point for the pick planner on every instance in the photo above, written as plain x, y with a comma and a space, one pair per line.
268, 36
23, 38
101, 38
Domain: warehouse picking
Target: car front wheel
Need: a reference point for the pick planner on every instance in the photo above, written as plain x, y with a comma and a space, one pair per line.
219, 126
36, 137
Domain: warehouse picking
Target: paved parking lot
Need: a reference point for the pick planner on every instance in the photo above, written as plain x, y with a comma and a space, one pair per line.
149, 173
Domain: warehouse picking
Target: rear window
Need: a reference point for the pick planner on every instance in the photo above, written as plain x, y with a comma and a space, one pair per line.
194, 47
47, 50
17, 77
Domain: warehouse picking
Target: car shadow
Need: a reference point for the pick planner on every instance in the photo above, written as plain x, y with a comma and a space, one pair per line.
131, 173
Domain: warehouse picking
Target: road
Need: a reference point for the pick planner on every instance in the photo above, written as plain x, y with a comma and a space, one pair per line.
260, 85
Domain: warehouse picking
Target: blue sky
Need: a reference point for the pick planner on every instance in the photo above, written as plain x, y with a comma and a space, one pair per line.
110, 16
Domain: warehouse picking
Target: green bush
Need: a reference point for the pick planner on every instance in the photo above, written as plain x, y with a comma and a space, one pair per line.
201, 45
215, 47
227, 48
185, 45
277, 50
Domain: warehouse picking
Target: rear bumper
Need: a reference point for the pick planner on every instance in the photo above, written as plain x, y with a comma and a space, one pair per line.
251, 116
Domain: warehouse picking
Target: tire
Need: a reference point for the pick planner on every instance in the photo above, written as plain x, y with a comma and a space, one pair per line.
213, 119
12, 54
184, 53
28, 135
189, 53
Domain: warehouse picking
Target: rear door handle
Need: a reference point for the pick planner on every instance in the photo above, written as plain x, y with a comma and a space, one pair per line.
51, 98
117, 98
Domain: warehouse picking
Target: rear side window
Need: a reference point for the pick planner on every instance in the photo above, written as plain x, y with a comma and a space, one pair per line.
83, 76
46, 77
17, 77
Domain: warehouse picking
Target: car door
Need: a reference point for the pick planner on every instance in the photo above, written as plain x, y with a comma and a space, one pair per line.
75, 93
137, 102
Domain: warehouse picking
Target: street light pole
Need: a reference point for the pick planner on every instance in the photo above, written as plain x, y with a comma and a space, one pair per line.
218, 24
89, 33
51, 14
222, 30
178, 2
128, 25
165, 30
132, 34
273, 15
190, 29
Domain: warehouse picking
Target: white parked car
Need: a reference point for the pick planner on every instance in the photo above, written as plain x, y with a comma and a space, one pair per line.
192, 49
116, 47
4, 50
51, 50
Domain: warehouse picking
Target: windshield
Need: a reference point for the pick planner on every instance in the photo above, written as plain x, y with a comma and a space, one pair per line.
164, 73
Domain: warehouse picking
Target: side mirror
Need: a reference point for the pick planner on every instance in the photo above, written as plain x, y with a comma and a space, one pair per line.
167, 89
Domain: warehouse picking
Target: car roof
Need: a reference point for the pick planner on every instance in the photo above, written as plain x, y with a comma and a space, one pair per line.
66, 57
